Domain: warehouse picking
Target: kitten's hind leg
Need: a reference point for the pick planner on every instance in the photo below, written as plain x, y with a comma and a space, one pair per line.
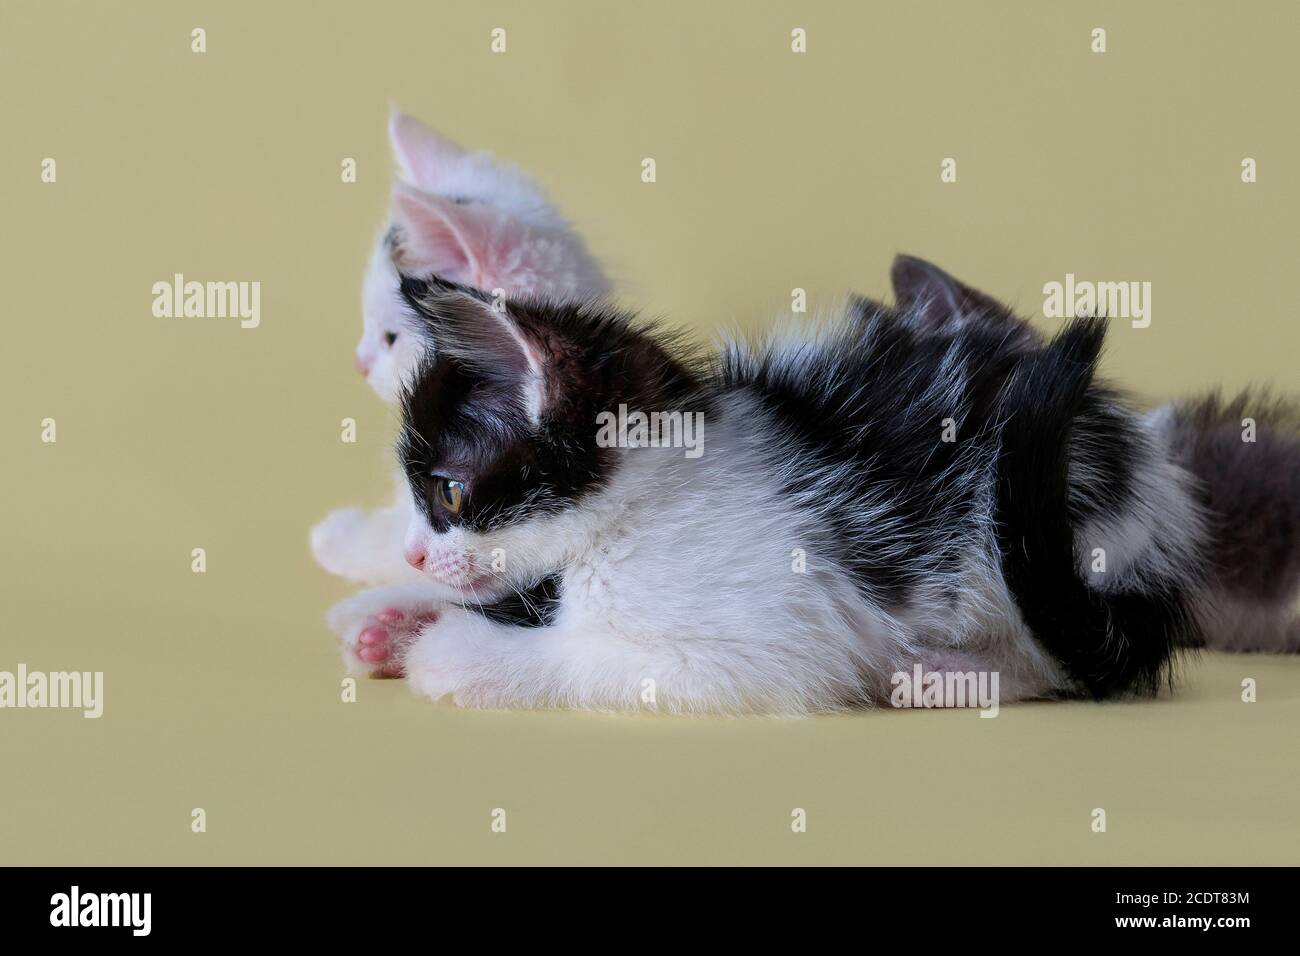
377, 627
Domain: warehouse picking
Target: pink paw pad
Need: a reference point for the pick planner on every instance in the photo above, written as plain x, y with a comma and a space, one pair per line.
383, 639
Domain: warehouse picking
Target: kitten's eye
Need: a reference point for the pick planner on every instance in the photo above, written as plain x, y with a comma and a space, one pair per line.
449, 493
390, 338
462, 200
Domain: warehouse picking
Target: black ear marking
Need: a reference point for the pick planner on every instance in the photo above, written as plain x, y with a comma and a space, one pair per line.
467, 327
430, 296
464, 324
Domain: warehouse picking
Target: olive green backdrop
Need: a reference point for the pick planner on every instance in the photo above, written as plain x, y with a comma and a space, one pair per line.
776, 170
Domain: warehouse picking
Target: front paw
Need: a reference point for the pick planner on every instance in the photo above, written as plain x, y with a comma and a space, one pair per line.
378, 629
336, 541
452, 660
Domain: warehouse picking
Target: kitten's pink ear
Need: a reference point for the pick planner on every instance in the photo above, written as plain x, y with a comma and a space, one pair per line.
435, 235
420, 152
473, 244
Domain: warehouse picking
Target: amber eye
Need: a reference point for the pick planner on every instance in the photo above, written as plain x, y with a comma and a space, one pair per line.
449, 492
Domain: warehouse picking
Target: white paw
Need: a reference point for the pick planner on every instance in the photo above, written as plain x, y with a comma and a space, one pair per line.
377, 628
445, 662
337, 539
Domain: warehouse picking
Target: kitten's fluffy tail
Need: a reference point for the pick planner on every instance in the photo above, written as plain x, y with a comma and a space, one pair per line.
1245, 455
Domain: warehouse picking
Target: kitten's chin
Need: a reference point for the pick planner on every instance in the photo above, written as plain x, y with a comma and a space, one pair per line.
481, 588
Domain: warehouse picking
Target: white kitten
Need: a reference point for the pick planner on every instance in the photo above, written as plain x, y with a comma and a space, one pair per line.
476, 221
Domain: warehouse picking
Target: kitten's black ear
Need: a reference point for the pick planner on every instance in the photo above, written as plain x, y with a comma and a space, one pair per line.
471, 328
934, 298
439, 303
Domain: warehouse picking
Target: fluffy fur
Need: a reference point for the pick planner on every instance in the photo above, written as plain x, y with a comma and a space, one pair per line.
930, 484
476, 221
1244, 453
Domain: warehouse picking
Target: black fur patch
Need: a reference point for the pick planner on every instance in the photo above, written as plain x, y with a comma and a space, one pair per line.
1112, 642
458, 426
872, 409
464, 415
535, 606
1022, 412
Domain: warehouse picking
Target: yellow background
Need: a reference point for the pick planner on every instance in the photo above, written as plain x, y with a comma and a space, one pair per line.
775, 170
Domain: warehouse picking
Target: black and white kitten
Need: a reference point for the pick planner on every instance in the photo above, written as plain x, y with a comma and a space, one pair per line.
933, 484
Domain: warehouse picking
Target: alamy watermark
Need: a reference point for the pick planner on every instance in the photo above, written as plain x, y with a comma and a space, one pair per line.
76, 690
76, 908
179, 299
1121, 300
923, 688
626, 429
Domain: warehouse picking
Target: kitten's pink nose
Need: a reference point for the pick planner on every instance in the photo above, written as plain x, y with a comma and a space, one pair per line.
361, 366
415, 558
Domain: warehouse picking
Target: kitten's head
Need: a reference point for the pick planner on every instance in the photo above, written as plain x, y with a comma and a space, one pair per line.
468, 218
500, 429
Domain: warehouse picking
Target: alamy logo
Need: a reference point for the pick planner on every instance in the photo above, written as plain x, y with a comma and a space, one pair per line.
1117, 300
103, 909
654, 430
82, 690
946, 689
208, 300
